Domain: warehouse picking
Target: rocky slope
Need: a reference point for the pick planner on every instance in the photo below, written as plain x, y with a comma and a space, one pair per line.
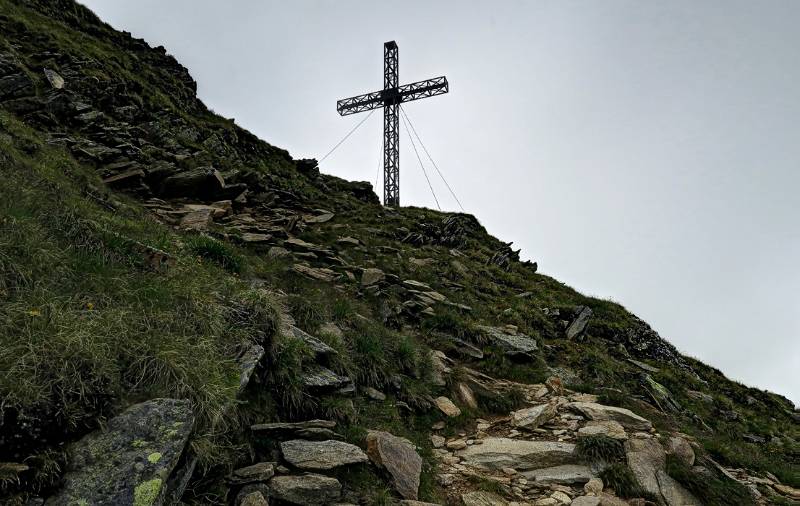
189, 315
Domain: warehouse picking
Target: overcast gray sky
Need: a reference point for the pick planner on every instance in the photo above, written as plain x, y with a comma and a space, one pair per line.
647, 152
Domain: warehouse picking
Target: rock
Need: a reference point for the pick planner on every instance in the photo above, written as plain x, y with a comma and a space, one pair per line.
321, 455
594, 486
399, 458
128, 179
609, 428
320, 349
578, 325
374, 394
322, 378
546, 501
532, 418
14, 86
406, 502
586, 500
254, 498
318, 273
55, 80
447, 407
247, 362
466, 396
625, 417
197, 220
372, 276
260, 472
317, 430
201, 183
437, 441
787, 490
480, 498
700, 396
561, 497
130, 460
277, 252
647, 461
563, 475
305, 490
518, 345
497, 453
320, 218
253, 238
466, 349
681, 449
457, 444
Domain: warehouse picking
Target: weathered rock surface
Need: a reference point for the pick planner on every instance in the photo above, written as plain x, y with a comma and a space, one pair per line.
321, 455
447, 407
566, 474
318, 430
681, 449
260, 472
371, 276
480, 498
306, 490
516, 345
497, 453
609, 428
130, 461
624, 417
531, 418
400, 459
647, 460
578, 325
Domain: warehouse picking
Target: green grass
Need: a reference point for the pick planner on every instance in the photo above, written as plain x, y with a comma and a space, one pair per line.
712, 488
600, 449
620, 478
216, 251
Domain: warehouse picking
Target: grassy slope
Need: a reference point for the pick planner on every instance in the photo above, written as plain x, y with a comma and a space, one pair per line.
86, 327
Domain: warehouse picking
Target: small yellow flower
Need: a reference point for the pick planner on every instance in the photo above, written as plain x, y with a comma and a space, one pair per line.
90, 305
34, 312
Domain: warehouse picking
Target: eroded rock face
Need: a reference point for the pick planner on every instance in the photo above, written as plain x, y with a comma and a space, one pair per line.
498, 452
533, 417
130, 461
624, 417
305, 490
321, 455
647, 460
578, 325
400, 459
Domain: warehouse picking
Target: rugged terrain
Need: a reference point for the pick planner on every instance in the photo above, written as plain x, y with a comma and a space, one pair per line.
189, 315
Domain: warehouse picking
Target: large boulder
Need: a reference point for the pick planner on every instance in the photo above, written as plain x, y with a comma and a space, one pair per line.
321, 455
400, 459
647, 461
578, 325
305, 490
624, 417
130, 461
498, 452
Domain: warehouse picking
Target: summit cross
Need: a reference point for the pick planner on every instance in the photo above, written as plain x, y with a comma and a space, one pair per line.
390, 98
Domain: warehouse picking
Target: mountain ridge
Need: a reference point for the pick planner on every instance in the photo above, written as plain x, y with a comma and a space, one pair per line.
136, 211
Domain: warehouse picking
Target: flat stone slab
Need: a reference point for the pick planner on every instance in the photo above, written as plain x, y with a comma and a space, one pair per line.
533, 417
321, 455
129, 462
305, 490
498, 452
515, 345
564, 475
480, 498
625, 417
323, 378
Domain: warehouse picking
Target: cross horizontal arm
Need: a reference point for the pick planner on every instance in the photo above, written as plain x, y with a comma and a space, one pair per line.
405, 93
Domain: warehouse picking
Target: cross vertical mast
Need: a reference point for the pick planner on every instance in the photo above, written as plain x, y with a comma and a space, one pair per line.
391, 126
390, 98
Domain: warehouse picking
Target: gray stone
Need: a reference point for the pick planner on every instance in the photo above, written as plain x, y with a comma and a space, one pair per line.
260, 472
203, 182
681, 449
578, 325
305, 490
318, 273
400, 459
130, 461
321, 455
447, 407
609, 428
374, 394
254, 498
625, 417
55, 80
644, 366
322, 378
647, 460
372, 276
317, 430
531, 418
515, 345
564, 475
479, 498
497, 453
586, 500
247, 361
317, 346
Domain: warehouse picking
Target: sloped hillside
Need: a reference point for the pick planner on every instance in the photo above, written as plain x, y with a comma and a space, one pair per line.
190, 316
